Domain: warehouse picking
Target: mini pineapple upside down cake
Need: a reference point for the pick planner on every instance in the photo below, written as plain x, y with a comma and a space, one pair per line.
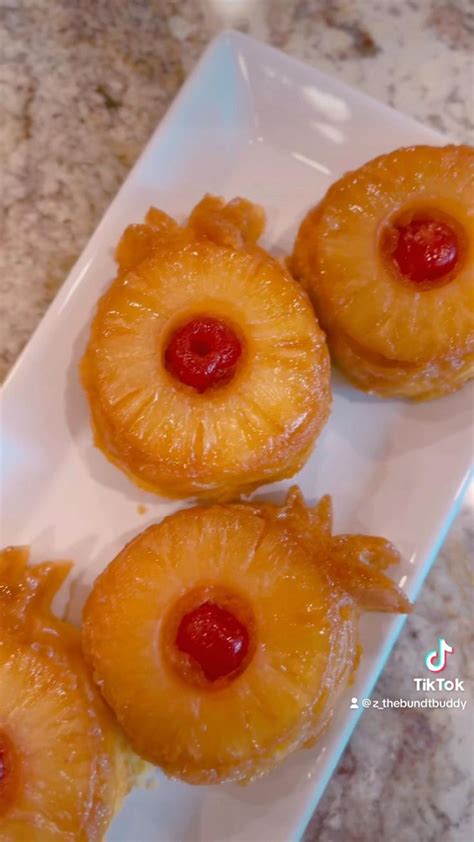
64, 764
387, 257
223, 637
206, 371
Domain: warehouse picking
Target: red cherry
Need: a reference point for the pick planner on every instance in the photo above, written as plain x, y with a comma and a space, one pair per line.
426, 250
214, 638
203, 353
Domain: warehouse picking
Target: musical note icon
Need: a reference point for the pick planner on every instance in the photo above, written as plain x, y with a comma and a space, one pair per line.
435, 661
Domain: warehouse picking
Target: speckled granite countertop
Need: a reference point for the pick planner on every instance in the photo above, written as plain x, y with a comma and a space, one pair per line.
82, 85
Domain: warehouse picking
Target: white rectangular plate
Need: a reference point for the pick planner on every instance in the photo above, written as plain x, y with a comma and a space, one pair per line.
252, 122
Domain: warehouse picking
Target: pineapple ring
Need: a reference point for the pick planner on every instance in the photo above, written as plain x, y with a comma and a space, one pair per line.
64, 766
258, 427
373, 372
341, 259
303, 639
54, 791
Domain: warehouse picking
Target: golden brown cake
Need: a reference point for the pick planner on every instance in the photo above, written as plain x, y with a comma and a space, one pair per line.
223, 636
64, 766
388, 259
206, 372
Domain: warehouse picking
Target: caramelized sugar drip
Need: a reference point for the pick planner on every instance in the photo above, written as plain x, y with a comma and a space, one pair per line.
237, 224
26, 593
206, 371
64, 767
138, 242
223, 636
355, 563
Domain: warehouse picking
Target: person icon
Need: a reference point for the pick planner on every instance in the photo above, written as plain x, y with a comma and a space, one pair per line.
354, 703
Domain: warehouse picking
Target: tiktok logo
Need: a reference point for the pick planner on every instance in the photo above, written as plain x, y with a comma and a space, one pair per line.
435, 661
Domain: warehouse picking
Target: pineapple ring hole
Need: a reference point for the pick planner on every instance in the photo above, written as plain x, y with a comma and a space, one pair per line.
423, 247
203, 352
9, 772
233, 611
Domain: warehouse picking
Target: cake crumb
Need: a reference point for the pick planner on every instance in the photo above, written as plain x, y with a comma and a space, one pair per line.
142, 509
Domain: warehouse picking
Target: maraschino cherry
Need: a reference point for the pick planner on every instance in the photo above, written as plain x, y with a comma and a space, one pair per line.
426, 250
214, 638
203, 353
